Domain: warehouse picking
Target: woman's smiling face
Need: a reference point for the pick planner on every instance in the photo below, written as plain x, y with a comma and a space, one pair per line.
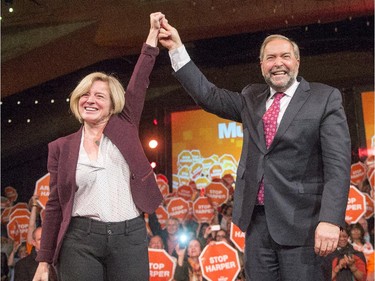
95, 106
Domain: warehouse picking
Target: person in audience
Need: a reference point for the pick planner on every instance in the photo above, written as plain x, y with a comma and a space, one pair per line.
364, 223
345, 263
170, 234
357, 234
156, 242
4, 267
19, 252
26, 267
101, 182
188, 269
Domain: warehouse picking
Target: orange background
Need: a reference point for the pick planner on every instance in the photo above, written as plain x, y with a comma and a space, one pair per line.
197, 129
368, 115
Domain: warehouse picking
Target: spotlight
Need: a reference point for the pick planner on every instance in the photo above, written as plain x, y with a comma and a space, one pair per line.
153, 143
153, 165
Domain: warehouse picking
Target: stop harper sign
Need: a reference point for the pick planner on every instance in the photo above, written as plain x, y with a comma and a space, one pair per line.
162, 265
219, 261
178, 208
356, 206
42, 190
237, 236
203, 210
217, 193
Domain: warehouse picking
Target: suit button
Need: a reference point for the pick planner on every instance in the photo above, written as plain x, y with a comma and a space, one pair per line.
109, 232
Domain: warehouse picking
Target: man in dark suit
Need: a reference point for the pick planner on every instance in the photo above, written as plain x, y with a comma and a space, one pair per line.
25, 268
293, 176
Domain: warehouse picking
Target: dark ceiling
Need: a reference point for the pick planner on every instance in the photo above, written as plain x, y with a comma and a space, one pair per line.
48, 46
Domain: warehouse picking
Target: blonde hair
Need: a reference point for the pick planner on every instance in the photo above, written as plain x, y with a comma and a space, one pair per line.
278, 36
116, 92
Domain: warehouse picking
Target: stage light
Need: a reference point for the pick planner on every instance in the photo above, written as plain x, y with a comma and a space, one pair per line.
153, 144
153, 165
155, 121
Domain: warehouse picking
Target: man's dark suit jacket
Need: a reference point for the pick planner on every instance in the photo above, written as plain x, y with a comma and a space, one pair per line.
25, 269
307, 167
122, 130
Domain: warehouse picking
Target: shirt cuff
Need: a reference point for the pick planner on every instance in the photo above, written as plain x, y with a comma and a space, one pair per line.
179, 57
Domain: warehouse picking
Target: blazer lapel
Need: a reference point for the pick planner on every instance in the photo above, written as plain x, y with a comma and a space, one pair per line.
73, 154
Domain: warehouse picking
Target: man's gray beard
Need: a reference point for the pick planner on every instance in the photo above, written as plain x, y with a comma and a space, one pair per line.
278, 88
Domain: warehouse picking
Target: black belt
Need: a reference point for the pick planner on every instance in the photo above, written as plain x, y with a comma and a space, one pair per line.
108, 228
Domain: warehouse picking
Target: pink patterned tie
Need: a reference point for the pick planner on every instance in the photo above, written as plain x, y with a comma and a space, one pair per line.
270, 128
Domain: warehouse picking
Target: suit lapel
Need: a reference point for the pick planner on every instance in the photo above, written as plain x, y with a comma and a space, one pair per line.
260, 109
299, 98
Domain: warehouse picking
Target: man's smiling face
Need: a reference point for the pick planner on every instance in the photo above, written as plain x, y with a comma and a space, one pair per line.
279, 64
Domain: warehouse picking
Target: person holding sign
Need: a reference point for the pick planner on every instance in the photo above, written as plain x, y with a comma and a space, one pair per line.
101, 183
293, 176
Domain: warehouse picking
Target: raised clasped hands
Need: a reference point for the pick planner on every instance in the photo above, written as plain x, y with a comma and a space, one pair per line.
168, 36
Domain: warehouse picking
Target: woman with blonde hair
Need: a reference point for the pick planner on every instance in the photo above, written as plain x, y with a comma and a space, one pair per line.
101, 182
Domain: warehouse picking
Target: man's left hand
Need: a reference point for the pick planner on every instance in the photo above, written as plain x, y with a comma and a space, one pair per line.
326, 238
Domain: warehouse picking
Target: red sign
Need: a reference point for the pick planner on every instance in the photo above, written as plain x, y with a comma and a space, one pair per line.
162, 177
215, 171
185, 191
356, 207
19, 212
5, 215
178, 208
162, 265
217, 193
162, 216
42, 190
163, 187
11, 193
203, 210
357, 173
219, 261
13, 230
23, 226
369, 206
237, 236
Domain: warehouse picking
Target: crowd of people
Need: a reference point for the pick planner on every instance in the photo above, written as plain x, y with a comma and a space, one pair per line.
353, 259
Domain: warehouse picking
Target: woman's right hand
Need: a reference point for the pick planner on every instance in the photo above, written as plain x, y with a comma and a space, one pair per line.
41, 273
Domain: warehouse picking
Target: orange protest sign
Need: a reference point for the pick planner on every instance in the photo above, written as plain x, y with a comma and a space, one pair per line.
178, 208
13, 230
11, 193
356, 206
203, 210
237, 236
217, 193
215, 171
18, 212
23, 226
371, 180
5, 215
185, 191
162, 177
163, 187
219, 261
162, 265
42, 190
369, 206
357, 173
162, 216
